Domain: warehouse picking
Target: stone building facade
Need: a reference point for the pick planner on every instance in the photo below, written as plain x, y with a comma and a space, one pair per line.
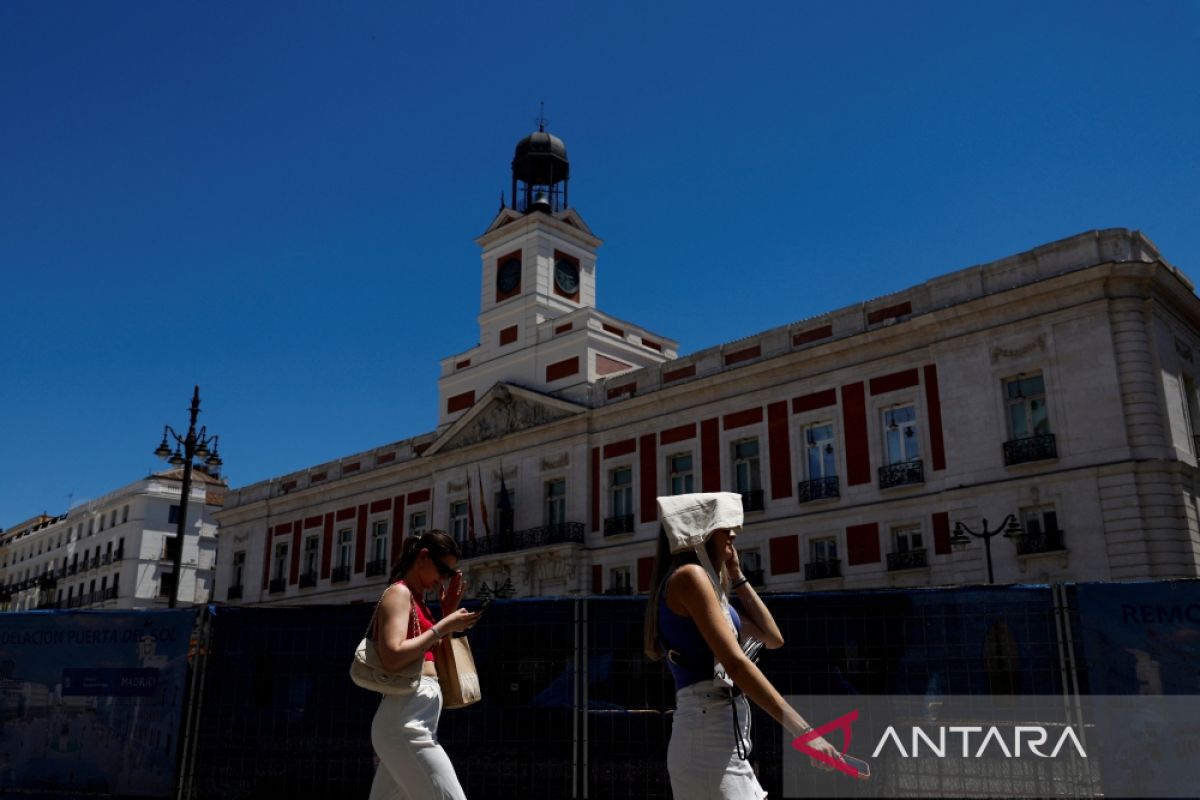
115, 551
1057, 385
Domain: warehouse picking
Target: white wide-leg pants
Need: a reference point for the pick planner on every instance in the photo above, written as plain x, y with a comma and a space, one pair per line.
413, 766
702, 757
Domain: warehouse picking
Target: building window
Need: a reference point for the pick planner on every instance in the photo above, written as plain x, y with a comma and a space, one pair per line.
239, 567
101, 528
908, 548
173, 515
823, 560
556, 502
311, 558
379, 542
418, 523
751, 561
900, 434
91, 524
345, 540
281, 554
1026, 398
621, 491
747, 475
113, 521
619, 581
458, 520
166, 585
124, 515
679, 467
818, 443
1041, 531
823, 549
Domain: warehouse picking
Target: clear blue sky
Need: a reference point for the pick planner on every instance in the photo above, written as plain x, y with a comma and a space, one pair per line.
278, 200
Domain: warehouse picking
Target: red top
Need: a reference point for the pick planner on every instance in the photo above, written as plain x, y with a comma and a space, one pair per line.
424, 620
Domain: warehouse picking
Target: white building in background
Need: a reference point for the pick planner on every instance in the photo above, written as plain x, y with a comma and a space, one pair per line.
1057, 385
114, 552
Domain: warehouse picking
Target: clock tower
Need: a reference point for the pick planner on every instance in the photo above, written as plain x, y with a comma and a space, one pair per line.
538, 323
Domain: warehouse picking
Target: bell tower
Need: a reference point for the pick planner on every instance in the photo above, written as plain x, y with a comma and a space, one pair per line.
538, 323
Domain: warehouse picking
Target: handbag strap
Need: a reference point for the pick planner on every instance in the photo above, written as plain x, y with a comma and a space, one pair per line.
414, 627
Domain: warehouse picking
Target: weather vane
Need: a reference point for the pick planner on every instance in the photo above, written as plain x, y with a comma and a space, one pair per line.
541, 120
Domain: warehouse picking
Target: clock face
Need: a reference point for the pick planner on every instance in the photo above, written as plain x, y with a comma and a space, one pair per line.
508, 276
566, 276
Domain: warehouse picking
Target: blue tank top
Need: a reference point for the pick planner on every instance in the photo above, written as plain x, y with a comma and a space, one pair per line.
680, 633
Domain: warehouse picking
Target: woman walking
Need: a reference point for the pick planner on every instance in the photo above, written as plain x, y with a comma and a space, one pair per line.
413, 766
690, 622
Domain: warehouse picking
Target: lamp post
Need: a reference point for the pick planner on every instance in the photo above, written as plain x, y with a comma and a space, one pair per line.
195, 444
1009, 527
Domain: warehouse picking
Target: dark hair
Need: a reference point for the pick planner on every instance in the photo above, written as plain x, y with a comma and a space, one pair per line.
439, 543
664, 562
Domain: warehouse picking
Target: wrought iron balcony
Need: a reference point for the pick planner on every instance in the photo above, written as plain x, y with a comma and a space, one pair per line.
908, 559
618, 525
1031, 448
106, 559
71, 570
904, 473
559, 533
1046, 542
307, 580
820, 570
47, 581
752, 500
619, 590
755, 576
233, 593
118, 554
376, 567
818, 489
277, 585
110, 593
74, 602
340, 574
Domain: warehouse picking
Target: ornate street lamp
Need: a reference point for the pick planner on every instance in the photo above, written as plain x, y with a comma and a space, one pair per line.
1009, 527
195, 444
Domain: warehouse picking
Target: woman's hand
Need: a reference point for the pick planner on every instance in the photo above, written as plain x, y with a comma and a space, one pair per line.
458, 620
451, 593
733, 565
825, 748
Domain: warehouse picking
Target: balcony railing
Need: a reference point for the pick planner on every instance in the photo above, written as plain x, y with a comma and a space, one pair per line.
118, 554
560, 533
904, 473
818, 489
106, 559
825, 568
277, 585
340, 574
752, 500
307, 580
908, 559
233, 593
47, 582
755, 576
1031, 448
619, 590
376, 567
1047, 542
71, 570
110, 593
617, 525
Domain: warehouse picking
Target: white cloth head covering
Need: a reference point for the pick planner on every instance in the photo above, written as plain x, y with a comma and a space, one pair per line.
689, 520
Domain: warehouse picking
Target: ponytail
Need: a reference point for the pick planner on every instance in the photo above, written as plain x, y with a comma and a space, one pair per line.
439, 543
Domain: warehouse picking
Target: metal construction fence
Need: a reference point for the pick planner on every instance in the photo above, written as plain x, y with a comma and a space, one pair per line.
571, 708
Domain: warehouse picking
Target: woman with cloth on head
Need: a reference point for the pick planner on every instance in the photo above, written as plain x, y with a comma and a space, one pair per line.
404, 732
690, 622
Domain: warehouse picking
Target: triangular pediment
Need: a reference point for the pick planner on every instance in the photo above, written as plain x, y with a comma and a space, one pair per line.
505, 409
505, 216
572, 218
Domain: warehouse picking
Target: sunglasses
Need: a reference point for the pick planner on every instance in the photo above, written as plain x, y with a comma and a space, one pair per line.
442, 569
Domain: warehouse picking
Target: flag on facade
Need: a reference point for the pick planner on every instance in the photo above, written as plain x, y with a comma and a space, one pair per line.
487, 528
504, 506
470, 511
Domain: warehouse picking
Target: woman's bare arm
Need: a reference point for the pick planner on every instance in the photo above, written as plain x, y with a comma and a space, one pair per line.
393, 621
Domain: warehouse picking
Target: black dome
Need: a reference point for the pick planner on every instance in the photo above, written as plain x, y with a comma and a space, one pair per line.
540, 159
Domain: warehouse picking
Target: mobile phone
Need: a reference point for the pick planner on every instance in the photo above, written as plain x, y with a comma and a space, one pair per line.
864, 769
483, 606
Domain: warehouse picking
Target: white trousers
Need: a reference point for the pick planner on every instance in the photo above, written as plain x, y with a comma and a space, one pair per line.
413, 766
702, 757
